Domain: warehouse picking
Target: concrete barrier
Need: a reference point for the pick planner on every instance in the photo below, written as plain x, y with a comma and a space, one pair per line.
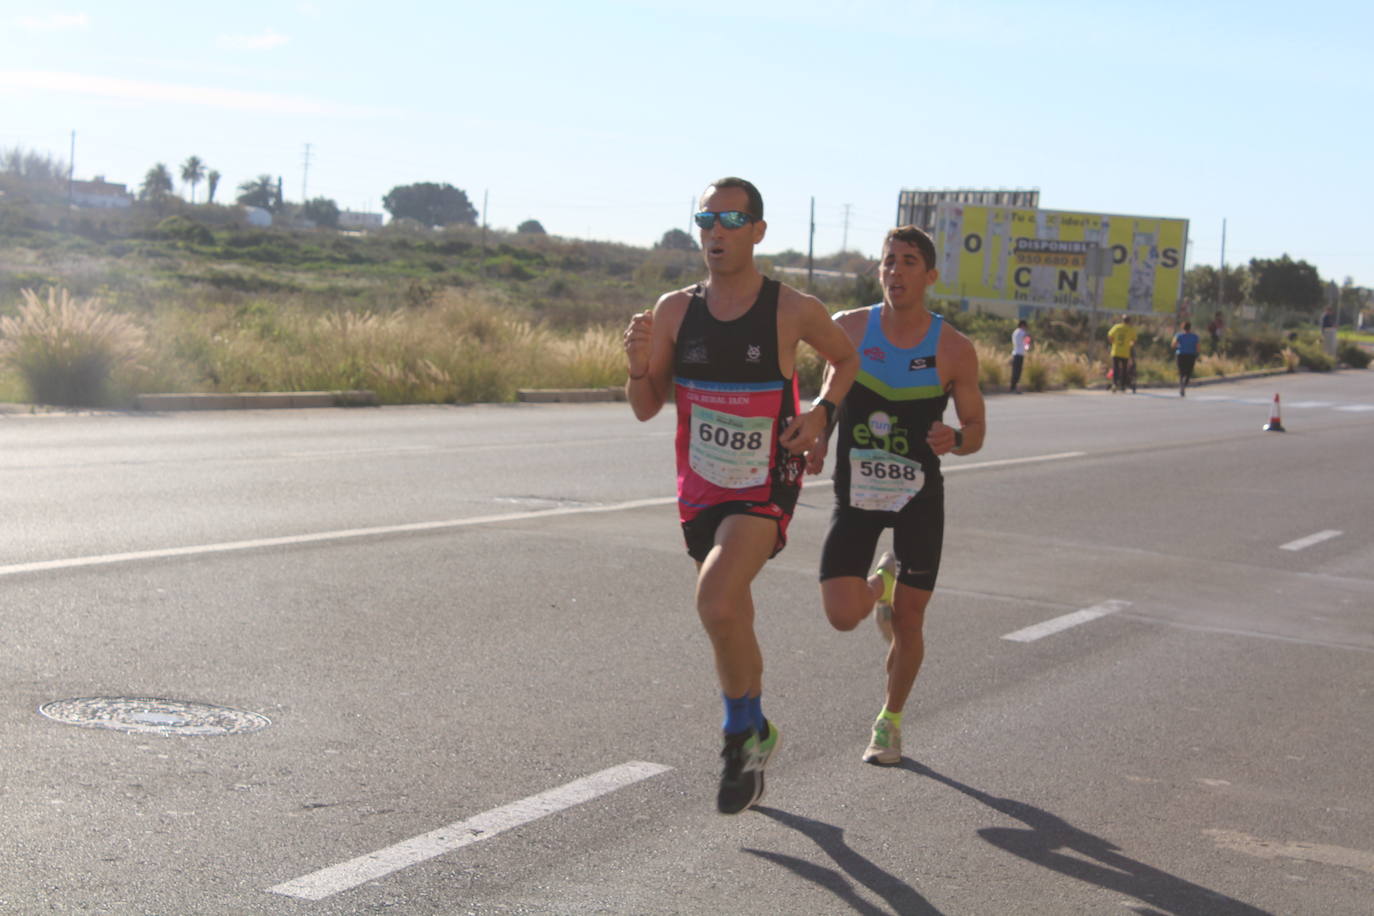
569, 395
256, 400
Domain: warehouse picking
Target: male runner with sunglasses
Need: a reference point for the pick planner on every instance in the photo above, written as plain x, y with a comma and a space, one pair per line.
725, 351
887, 469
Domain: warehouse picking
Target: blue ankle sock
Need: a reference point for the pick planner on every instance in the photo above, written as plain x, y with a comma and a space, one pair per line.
737, 718
756, 714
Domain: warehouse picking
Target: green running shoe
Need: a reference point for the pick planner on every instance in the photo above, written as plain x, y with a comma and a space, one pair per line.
741, 778
886, 747
763, 750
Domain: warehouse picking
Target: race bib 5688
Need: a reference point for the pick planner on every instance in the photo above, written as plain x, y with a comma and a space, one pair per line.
881, 481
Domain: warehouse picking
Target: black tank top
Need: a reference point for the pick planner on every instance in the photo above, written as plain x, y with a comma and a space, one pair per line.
744, 349
733, 402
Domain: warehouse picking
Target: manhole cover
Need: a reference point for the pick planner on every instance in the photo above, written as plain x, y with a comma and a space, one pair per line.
154, 716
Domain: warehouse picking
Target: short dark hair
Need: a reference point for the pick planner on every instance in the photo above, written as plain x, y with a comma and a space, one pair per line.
914, 235
1187, 325
755, 198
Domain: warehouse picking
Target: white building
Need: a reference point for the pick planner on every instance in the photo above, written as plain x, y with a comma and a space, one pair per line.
257, 217
101, 194
351, 219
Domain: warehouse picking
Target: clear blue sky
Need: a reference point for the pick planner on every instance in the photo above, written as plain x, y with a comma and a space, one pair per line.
604, 118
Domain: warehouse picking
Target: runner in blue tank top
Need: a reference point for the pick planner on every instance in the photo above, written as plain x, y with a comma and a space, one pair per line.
889, 436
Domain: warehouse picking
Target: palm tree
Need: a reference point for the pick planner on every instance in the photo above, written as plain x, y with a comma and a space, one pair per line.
192, 171
212, 182
259, 192
157, 186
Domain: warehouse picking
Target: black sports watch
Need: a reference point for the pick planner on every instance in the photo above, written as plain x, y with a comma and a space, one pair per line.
958, 438
829, 410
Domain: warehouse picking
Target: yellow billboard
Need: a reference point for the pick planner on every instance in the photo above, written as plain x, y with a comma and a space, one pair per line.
1023, 256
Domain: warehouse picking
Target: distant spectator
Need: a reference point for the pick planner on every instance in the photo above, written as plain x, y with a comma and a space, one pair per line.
1020, 345
1329, 331
1185, 351
1215, 328
1122, 335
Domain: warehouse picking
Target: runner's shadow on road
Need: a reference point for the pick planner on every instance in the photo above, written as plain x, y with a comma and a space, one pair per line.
900, 896
1162, 892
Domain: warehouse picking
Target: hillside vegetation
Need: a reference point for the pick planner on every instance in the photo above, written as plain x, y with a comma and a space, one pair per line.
191, 300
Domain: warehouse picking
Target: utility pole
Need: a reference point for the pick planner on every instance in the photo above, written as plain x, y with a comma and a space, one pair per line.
1221, 274
71, 169
844, 246
305, 173
811, 248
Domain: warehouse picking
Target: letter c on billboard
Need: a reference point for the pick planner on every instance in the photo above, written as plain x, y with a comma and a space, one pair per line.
1021, 277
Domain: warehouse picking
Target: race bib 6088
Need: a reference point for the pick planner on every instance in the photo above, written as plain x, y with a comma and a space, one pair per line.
730, 451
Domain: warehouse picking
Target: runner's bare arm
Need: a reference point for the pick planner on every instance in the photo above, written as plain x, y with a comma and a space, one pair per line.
957, 353
816, 327
852, 323
649, 344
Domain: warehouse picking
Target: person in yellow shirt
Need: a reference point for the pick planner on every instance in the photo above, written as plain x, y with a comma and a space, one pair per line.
1122, 335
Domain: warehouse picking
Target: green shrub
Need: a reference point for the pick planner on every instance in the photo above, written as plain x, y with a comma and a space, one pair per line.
1353, 355
1037, 375
1262, 347
178, 228
66, 349
1311, 356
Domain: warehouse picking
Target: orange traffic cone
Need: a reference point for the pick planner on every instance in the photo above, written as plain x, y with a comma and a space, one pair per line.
1275, 424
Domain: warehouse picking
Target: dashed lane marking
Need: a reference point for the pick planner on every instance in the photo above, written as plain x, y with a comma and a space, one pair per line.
1310, 540
1057, 624
329, 881
1307, 852
320, 536
105, 559
1003, 462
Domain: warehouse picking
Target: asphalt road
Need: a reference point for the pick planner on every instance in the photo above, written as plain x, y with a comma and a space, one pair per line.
453, 617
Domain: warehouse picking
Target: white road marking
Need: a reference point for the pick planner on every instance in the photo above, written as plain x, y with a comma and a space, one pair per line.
1357, 408
319, 536
329, 881
351, 452
1307, 852
1003, 462
1056, 624
1303, 543
1310, 404
194, 550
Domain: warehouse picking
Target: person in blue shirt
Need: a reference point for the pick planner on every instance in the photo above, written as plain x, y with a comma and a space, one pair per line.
1185, 350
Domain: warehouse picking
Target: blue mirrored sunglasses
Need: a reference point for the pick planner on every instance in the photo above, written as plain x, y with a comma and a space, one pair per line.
730, 219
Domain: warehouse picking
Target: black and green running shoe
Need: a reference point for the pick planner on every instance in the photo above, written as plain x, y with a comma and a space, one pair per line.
739, 783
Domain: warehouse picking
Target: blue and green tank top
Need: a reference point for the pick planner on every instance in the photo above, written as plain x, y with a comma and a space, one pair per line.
881, 456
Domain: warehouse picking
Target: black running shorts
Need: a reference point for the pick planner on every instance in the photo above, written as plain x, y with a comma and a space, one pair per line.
700, 532
918, 535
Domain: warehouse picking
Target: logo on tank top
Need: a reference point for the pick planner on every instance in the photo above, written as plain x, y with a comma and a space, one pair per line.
753, 354
877, 354
694, 351
921, 362
880, 423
